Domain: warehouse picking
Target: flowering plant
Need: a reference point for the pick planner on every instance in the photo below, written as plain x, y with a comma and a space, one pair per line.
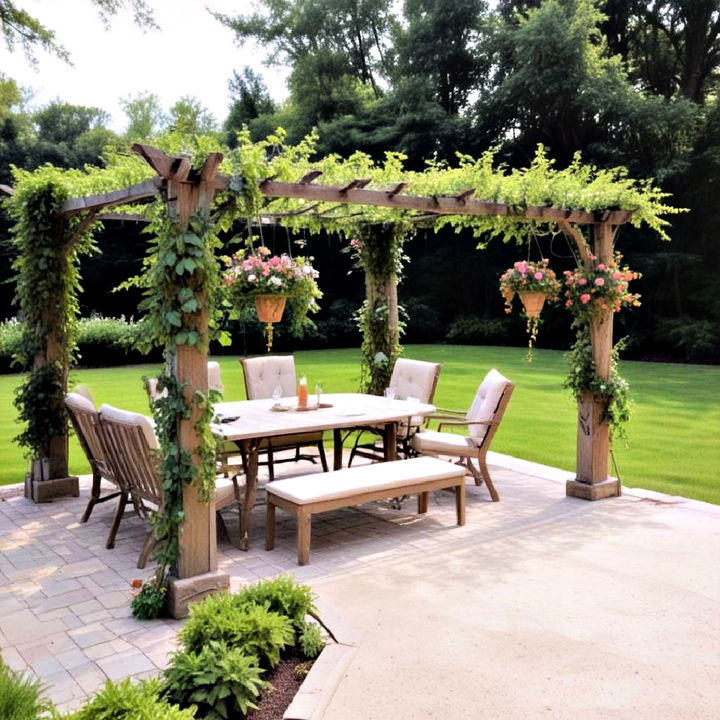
601, 289
258, 272
526, 276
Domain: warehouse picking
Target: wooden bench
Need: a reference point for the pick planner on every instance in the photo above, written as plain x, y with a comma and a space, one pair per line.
309, 494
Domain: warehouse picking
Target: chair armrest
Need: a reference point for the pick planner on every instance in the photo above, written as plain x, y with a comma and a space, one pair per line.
465, 423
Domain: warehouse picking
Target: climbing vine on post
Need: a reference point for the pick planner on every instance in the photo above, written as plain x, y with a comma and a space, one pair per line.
378, 249
48, 246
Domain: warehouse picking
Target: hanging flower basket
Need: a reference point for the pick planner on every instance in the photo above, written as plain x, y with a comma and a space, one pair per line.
270, 307
534, 283
269, 282
532, 302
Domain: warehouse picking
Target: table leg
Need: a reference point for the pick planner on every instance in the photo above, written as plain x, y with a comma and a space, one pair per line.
337, 449
251, 451
390, 441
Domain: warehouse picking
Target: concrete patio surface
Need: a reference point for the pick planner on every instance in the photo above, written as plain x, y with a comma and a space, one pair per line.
540, 606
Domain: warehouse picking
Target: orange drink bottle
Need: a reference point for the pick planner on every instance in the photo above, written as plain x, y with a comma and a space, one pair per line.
302, 392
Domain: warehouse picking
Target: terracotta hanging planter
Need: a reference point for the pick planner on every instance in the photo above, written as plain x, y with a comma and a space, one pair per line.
270, 307
532, 302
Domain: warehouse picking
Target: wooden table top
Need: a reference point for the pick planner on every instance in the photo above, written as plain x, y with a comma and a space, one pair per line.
256, 419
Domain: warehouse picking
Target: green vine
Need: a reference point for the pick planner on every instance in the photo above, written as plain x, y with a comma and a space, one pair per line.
48, 248
613, 394
379, 251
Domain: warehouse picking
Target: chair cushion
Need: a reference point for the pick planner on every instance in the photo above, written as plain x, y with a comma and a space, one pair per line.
214, 381
414, 378
224, 492
485, 403
263, 374
75, 401
444, 443
125, 417
353, 481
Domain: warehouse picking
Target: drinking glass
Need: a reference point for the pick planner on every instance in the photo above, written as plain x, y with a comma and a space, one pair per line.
276, 395
390, 393
319, 391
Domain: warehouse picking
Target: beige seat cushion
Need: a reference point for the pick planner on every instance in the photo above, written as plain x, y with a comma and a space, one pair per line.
485, 403
124, 417
263, 374
363, 478
414, 378
224, 492
76, 401
444, 443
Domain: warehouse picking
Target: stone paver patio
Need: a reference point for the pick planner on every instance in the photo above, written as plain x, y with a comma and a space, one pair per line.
540, 605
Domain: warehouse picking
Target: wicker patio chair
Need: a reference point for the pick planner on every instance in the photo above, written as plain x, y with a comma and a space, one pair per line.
132, 453
481, 421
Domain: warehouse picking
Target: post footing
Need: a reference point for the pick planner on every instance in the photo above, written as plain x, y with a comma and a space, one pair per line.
41, 491
597, 491
183, 592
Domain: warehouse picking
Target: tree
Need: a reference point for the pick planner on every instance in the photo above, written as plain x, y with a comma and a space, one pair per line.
441, 44
145, 116
189, 117
334, 49
20, 28
250, 99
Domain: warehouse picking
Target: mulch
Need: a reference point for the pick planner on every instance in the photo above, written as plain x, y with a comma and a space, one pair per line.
285, 679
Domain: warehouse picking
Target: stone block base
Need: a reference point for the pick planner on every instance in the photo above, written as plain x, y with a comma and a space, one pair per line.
182, 593
41, 491
598, 491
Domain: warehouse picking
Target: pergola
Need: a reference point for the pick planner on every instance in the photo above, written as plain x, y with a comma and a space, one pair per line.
186, 190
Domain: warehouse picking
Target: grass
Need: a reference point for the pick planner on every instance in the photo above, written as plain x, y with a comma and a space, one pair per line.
673, 442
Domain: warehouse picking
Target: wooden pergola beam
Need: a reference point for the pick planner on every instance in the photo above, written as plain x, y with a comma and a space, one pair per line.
127, 195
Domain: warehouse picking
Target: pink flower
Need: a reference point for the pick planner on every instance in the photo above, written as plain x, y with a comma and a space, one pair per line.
538, 276
599, 282
263, 250
601, 266
585, 298
582, 281
616, 276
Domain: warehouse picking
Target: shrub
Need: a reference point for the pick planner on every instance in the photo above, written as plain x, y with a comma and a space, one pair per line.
220, 680
311, 641
149, 602
131, 701
474, 330
251, 628
282, 595
20, 697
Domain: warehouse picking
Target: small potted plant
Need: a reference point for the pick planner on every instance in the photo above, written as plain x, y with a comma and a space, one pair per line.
600, 290
270, 282
534, 283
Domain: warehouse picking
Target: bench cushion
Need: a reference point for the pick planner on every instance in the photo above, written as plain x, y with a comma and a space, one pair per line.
357, 480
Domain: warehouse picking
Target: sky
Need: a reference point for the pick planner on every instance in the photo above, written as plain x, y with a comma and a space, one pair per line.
191, 54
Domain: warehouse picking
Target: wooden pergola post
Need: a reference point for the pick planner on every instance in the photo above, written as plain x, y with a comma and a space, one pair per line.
593, 436
196, 572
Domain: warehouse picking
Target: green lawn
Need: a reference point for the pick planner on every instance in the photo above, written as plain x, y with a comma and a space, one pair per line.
674, 436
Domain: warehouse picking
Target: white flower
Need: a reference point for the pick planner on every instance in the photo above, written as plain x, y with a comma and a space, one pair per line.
380, 358
251, 278
276, 281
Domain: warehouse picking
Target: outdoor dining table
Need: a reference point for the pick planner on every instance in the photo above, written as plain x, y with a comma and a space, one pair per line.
247, 423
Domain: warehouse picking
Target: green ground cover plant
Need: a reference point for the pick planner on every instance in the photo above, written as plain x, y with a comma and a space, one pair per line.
672, 438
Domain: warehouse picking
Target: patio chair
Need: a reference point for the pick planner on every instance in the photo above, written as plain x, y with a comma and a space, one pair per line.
133, 455
262, 375
481, 420
85, 420
227, 451
410, 379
